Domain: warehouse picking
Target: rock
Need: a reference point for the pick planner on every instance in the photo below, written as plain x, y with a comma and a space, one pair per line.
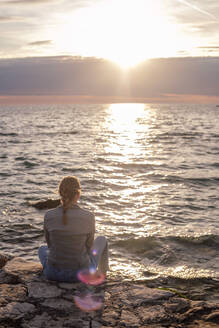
11, 293
39, 321
3, 260
70, 286
43, 290
46, 204
46, 321
15, 310
201, 324
138, 295
6, 278
21, 268
214, 317
110, 317
58, 304
178, 305
96, 324
153, 314
28, 300
129, 319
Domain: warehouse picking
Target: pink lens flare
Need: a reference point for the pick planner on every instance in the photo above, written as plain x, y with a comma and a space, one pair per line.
94, 252
91, 277
87, 303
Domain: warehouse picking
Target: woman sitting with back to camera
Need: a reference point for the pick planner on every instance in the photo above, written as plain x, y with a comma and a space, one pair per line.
69, 232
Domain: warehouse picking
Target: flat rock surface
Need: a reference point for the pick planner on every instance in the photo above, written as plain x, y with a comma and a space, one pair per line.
42, 290
18, 266
28, 300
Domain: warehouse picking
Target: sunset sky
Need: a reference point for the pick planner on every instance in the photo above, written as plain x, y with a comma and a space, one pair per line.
98, 41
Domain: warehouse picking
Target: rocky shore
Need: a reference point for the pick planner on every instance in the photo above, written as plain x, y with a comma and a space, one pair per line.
28, 300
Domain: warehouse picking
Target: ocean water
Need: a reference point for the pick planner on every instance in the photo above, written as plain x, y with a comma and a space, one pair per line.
150, 173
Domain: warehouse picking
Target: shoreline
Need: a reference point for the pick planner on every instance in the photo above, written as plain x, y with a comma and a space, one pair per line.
28, 300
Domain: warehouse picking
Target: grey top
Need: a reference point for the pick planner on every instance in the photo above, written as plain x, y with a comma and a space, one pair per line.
69, 245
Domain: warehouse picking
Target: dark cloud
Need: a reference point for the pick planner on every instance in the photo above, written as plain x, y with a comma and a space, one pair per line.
100, 78
40, 43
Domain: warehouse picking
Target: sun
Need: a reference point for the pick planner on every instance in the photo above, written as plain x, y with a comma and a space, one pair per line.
124, 31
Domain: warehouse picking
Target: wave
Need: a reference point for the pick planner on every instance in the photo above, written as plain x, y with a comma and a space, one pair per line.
11, 134
210, 240
139, 245
56, 133
215, 165
162, 245
175, 179
4, 174
29, 164
73, 170
70, 132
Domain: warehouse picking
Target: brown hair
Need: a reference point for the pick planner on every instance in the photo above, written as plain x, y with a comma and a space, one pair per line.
69, 187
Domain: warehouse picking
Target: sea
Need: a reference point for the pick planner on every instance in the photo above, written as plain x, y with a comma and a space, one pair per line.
149, 172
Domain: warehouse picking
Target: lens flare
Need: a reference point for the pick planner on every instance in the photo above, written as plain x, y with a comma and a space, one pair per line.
88, 303
91, 277
94, 252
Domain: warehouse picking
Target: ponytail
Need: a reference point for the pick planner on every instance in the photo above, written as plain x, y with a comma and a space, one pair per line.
67, 203
69, 187
64, 217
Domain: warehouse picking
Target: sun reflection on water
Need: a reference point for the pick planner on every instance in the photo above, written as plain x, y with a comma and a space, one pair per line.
130, 151
124, 122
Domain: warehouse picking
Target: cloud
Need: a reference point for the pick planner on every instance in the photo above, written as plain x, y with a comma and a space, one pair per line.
40, 43
5, 18
91, 77
196, 8
28, 2
209, 47
11, 19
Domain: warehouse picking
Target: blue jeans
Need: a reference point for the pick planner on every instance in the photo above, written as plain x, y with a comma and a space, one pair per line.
98, 258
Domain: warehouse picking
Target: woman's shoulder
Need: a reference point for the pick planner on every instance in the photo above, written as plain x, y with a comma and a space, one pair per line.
53, 213
85, 213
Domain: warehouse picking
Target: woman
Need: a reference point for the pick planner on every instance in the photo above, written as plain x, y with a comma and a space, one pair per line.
69, 232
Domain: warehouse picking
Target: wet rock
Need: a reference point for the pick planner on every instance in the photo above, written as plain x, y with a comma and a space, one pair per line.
46, 204
43, 290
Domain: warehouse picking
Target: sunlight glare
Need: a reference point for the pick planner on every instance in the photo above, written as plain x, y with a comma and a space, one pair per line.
126, 113
124, 31
123, 120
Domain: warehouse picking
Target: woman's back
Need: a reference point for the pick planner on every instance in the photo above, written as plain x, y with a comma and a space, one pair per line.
69, 244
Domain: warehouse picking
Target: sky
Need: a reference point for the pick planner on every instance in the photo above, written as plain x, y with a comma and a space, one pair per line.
110, 50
